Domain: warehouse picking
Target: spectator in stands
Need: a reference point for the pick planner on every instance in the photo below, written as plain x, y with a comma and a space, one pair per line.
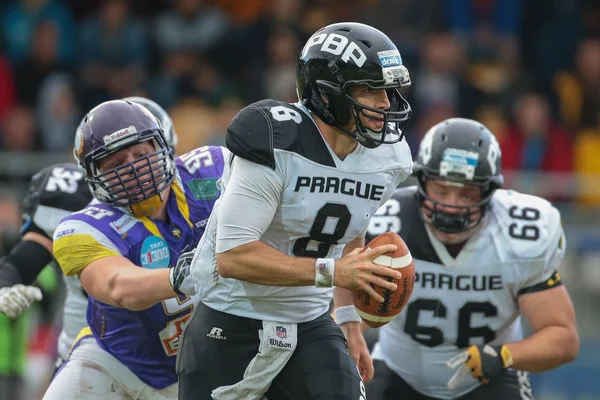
181, 35
440, 80
113, 52
57, 113
191, 26
279, 78
19, 22
579, 91
17, 132
208, 84
535, 142
587, 163
8, 94
41, 62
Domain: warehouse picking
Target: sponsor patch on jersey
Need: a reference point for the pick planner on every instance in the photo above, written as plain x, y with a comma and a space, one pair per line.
204, 189
155, 253
123, 224
389, 58
459, 162
64, 233
121, 133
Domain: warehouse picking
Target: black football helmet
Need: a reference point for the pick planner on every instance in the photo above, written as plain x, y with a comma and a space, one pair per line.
344, 55
463, 151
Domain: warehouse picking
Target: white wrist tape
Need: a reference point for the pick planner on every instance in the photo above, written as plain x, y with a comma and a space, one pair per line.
346, 314
324, 270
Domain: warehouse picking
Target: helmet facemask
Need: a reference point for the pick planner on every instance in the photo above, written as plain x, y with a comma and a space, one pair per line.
342, 109
137, 186
461, 218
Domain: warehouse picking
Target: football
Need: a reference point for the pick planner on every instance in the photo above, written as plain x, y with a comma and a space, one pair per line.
376, 314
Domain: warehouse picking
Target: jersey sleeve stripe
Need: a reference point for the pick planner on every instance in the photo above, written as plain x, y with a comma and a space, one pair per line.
77, 244
151, 226
83, 334
75, 252
554, 281
182, 202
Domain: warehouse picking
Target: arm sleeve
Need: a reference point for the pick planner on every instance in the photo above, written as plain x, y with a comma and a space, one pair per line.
250, 200
25, 261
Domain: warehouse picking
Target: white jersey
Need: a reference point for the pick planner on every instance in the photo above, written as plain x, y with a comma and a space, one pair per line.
472, 299
322, 203
54, 193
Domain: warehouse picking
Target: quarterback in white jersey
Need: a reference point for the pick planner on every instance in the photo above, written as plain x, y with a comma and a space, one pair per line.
303, 182
483, 257
54, 193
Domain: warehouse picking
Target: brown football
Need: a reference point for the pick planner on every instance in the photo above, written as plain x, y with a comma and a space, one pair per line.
377, 314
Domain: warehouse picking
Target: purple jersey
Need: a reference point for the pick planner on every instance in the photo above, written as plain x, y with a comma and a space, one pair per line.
146, 341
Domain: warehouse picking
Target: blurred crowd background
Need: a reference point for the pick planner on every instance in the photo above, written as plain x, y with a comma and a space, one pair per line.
528, 69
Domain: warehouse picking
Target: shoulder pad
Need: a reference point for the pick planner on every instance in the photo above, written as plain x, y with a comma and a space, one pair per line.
204, 162
529, 226
60, 186
53, 192
260, 128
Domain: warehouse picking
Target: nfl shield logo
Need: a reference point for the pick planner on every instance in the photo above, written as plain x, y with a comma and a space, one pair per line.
281, 332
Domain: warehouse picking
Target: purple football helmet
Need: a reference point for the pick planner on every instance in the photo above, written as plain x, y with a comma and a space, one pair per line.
161, 115
137, 185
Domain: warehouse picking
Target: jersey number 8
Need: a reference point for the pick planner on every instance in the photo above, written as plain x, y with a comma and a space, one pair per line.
318, 243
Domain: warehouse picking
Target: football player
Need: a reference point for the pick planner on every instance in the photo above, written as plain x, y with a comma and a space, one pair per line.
483, 256
54, 193
305, 179
148, 208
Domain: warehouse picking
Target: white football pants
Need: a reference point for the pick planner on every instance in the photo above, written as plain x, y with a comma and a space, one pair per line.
91, 373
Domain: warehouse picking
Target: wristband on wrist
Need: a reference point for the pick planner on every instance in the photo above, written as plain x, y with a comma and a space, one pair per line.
346, 314
324, 270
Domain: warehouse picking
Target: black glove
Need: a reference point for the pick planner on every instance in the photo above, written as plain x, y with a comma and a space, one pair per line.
180, 275
482, 362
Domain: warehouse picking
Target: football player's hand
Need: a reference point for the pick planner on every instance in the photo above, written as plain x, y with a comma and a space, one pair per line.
356, 271
482, 362
357, 347
18, 298
180, 275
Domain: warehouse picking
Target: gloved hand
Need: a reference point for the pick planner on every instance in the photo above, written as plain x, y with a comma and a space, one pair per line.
482, 362
180, 275
18, 298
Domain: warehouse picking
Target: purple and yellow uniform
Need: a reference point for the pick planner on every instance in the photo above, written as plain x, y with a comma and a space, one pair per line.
145, 341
